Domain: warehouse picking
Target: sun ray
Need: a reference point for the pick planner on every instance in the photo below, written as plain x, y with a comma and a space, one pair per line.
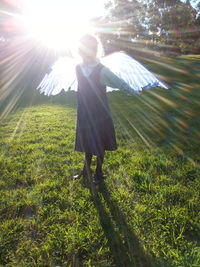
59, 23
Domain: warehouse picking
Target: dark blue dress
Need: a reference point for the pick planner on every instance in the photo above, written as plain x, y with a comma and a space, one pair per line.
94, 130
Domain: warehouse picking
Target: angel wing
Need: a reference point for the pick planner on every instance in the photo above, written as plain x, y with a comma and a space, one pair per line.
62, 75
132, 72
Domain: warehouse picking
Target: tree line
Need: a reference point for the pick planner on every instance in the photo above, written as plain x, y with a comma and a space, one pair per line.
164, 25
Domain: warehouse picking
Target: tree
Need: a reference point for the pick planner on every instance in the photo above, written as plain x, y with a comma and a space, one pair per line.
170, 23
158, 24
198, 15
125, 13
123, 22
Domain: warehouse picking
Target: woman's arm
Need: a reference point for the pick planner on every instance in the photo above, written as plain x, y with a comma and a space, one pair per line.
108, 78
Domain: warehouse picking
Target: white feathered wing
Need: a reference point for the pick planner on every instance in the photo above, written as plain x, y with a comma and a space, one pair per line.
63, 76
132, 72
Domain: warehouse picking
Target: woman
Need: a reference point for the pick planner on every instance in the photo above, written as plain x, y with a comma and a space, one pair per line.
95, 130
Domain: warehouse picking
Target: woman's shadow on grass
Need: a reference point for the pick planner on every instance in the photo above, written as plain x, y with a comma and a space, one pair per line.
123, 243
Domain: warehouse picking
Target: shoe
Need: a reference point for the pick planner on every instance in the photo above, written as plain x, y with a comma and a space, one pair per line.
97, 181
98, 178
83, 173
78, 176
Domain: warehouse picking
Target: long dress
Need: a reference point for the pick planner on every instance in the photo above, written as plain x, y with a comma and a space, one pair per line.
94, 130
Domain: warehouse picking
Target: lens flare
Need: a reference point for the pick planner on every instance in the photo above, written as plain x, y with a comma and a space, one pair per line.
60, 23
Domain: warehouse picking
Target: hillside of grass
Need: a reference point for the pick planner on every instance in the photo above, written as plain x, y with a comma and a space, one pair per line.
147, 210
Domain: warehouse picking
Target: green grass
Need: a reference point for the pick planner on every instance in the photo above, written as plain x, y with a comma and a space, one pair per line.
190, 57
147, 210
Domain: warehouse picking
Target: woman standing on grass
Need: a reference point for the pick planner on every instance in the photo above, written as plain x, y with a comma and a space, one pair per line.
95, 130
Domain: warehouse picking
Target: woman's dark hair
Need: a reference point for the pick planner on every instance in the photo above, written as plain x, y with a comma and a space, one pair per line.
88, 43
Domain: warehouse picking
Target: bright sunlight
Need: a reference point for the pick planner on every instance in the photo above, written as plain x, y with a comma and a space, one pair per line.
60, 23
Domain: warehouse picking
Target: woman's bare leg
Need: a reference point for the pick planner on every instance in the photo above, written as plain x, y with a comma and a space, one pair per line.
88, 160
86, 168
99, 173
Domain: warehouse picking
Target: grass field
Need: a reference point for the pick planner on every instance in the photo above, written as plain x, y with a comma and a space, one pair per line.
147, 210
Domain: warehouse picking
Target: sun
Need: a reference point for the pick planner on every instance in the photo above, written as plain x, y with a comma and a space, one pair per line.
60, 23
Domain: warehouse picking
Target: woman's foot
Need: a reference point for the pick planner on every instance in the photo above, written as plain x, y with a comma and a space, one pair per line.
83, 173
98, 177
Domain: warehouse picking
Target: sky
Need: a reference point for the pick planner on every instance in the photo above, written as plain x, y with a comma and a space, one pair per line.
193, 2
